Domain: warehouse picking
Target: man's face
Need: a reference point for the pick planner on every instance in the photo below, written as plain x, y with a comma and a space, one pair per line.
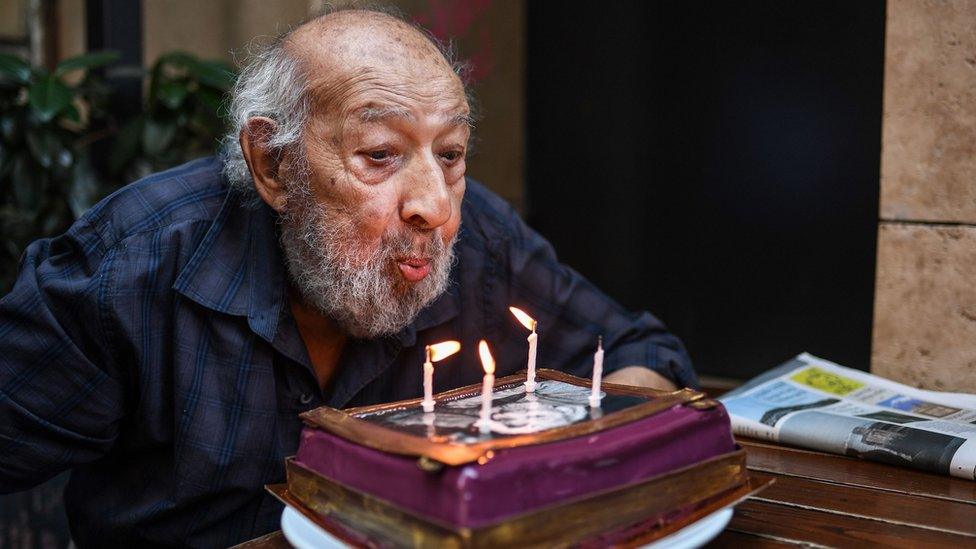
373, 198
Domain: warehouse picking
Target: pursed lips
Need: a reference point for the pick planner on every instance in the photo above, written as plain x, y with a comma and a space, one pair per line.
414, 269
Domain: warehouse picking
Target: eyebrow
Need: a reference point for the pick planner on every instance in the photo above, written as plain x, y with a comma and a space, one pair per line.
383, 112
462, 119
379, 113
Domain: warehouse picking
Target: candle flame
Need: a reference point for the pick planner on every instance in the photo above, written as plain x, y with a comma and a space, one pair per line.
487, 362
524, 318
442, 350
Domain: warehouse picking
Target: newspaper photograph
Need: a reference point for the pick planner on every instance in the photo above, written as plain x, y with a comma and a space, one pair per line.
817, 404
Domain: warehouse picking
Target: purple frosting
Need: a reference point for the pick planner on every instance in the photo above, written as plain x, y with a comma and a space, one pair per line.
518, 480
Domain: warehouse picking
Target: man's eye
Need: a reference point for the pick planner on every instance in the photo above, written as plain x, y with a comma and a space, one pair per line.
379, 155
452, 156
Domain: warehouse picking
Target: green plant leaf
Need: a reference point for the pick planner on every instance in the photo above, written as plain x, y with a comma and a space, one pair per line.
84, 187
45, 146
54, 218
126, 145
15, 68
176, 58
214, 74
86, 61
157, 136
211, 99
163, 66
71, 113
48, 96
27, 184
172, 94
9, 126
65, 158
4, 162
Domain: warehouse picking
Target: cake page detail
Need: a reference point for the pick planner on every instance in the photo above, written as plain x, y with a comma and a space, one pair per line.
514, 411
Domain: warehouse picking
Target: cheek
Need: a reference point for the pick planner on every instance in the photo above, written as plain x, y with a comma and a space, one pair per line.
451, 227
322, 149
375, 214
330, 183
456, 172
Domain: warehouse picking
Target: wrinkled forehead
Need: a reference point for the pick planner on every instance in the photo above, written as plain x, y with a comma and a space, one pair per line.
374, 60
372, 94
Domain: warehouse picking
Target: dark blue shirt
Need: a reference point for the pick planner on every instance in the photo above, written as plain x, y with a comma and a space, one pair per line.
151, 350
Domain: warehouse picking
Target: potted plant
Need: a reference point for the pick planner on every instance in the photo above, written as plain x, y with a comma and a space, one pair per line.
181, 118
46, 179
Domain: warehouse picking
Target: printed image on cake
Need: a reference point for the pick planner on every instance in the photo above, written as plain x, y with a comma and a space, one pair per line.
553, 471
552, 404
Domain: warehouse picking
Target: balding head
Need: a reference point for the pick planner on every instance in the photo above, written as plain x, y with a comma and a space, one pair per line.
361, 37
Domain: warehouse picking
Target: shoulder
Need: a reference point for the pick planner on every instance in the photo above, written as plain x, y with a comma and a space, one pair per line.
486, 216
174, 205
181, 196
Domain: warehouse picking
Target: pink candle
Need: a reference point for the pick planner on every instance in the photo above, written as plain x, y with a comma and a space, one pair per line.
595, 395
435, 353
487, 386
428, 402
530, 324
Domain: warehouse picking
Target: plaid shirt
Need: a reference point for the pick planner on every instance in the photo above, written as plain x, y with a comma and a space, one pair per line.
150, 349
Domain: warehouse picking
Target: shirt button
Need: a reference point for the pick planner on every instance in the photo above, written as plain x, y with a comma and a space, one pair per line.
305, 398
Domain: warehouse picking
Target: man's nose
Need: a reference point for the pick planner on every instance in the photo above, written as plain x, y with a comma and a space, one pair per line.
426, 200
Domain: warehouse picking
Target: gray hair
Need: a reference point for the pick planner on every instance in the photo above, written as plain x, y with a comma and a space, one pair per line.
273, 84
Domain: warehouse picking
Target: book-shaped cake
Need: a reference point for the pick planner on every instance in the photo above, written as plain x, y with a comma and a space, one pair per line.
553, 471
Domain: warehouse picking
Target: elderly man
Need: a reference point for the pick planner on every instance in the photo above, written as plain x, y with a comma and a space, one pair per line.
164, 346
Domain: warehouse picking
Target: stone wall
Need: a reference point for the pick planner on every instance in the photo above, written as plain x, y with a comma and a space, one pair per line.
925, 298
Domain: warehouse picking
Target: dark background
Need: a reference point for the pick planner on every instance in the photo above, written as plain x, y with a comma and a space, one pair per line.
716, 163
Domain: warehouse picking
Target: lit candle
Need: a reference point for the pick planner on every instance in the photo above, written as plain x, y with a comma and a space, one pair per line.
597, 374
488, 363
533, 338
435, 353
429, 422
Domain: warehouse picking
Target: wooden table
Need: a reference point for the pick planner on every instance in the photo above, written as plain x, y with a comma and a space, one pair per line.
836, 501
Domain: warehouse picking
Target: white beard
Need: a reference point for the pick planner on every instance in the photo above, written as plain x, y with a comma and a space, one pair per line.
361, 289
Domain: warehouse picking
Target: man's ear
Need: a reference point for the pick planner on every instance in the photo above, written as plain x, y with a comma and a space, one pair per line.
263, 161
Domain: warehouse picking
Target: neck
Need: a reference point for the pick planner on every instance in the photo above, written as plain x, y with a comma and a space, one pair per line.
323, 339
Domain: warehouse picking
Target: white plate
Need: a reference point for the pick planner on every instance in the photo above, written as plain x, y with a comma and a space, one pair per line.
305, 534
697, 533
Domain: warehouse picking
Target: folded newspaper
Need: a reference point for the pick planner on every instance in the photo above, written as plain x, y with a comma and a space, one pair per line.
816, 404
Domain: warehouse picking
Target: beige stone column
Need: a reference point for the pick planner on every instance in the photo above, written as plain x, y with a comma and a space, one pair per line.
925, 298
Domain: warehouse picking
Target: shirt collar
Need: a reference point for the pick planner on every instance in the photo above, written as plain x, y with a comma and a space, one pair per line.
374, 357
237, 267
444, 308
